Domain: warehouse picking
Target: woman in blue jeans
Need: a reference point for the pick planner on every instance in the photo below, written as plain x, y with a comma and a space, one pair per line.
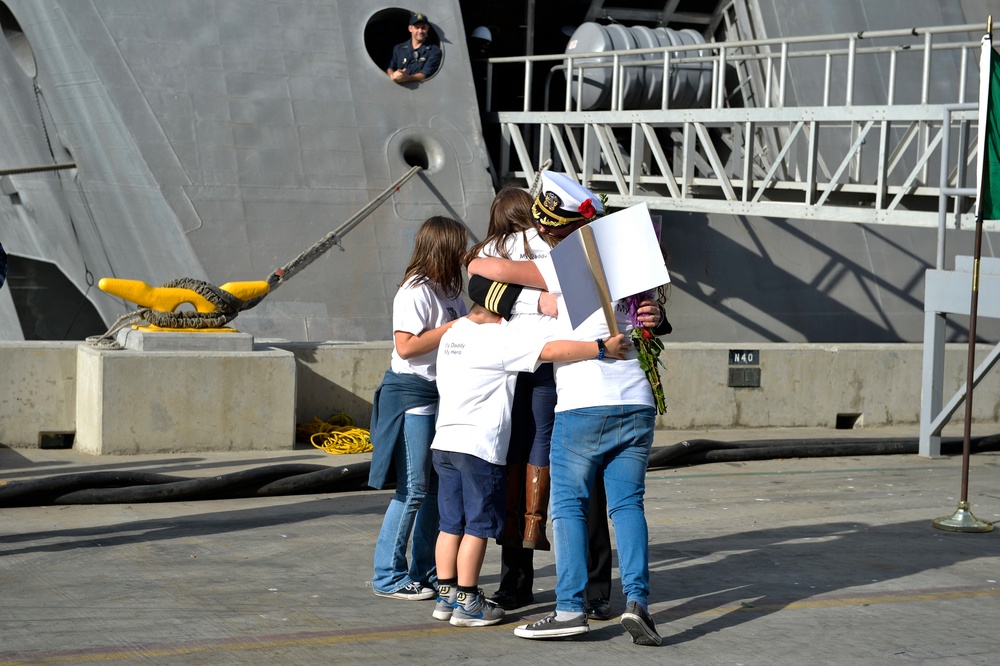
605, 415
428, 302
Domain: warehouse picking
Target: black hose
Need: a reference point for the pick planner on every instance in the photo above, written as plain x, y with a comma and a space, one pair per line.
118, 488
699, 451
276, 480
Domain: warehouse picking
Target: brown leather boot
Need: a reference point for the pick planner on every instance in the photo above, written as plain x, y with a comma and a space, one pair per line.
513, 523
536, 507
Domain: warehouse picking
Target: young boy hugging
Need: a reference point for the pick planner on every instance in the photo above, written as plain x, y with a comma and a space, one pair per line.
477, 365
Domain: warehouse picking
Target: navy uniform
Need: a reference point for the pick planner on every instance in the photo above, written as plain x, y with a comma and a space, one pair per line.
422, 59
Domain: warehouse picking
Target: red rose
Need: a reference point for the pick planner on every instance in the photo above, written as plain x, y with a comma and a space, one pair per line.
587, 209
646, 333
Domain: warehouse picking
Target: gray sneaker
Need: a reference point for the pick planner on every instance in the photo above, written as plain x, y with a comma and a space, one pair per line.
550, 627
445, 605
413, 592
475, 610
639, 625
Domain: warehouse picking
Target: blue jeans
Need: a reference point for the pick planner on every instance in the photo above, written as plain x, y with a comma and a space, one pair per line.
414, 508
533, 413
614, 440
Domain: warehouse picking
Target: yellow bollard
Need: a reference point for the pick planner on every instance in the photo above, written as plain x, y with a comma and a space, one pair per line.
168, 299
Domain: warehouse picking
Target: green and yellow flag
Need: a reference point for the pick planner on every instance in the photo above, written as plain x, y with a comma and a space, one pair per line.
988, 187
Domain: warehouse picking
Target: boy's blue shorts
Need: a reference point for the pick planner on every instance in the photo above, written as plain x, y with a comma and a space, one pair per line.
472, 494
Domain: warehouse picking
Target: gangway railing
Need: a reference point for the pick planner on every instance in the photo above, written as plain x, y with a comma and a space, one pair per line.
841, 127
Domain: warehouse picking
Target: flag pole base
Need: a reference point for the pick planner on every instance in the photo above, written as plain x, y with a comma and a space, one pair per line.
962, 521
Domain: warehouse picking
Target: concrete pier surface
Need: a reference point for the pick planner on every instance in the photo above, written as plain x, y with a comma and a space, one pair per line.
783, 561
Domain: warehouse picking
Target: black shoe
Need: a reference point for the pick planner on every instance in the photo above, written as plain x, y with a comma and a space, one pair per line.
639, 625
511, 601
599, 609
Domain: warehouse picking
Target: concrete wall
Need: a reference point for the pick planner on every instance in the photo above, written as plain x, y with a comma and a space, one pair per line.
337, 377
801, 385
37, 391
811, 385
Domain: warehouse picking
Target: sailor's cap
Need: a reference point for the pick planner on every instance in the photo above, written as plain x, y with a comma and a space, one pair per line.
562, 201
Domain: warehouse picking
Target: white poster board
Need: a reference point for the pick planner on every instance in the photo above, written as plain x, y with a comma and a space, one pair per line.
629, 262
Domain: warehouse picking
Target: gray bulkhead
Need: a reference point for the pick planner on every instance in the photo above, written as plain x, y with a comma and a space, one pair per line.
219, 139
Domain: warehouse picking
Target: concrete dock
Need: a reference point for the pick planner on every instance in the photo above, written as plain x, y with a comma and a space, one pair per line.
783, 561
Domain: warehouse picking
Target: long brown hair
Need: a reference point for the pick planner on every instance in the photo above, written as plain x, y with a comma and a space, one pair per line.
437, 255
510, 213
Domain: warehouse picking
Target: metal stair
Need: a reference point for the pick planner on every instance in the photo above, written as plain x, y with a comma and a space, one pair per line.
831, 127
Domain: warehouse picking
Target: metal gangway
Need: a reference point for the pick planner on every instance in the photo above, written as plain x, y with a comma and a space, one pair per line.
874, 127
845, 127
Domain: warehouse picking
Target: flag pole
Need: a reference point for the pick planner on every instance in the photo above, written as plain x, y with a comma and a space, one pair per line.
963, 520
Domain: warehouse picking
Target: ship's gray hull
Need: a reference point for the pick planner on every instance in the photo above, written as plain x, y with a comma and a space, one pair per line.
218, 139
742, 279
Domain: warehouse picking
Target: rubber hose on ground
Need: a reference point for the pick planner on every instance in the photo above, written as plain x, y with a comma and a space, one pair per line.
276, 480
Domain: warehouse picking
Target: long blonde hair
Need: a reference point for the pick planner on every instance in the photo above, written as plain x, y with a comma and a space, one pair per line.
437, 255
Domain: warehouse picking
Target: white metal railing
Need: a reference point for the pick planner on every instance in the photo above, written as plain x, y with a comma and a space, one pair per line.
773, 57
818, 153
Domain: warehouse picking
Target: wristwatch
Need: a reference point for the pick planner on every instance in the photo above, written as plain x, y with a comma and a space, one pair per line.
601, 349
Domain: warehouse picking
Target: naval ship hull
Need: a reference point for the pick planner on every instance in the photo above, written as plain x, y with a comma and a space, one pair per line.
220, 139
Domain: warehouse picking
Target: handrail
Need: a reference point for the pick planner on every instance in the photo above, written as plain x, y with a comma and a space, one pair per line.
876, 34
758, 52
843, 145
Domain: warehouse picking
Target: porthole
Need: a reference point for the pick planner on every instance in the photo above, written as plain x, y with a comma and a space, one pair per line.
17, 41
389, 27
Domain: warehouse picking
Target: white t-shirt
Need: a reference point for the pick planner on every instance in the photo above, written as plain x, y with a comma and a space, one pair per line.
415, 309
596, 383
524, 314
514, 245
477, 369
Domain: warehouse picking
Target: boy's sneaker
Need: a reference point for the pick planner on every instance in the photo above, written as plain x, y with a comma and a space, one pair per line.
445, 602
639, 625
413, 592
472, 609
550, 627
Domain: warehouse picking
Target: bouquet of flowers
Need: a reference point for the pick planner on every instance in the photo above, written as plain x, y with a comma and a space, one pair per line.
649, 347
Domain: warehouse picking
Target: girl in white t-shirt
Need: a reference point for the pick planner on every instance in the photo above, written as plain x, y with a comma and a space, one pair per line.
428, 302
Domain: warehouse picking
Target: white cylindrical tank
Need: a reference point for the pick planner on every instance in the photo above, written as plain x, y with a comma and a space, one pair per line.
689, 84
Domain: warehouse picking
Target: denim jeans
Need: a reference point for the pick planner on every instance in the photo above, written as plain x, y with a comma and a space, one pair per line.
414, 508
614, 440
532, 416
533, 413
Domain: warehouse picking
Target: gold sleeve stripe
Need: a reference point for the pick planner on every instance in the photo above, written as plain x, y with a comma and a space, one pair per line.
494, 295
